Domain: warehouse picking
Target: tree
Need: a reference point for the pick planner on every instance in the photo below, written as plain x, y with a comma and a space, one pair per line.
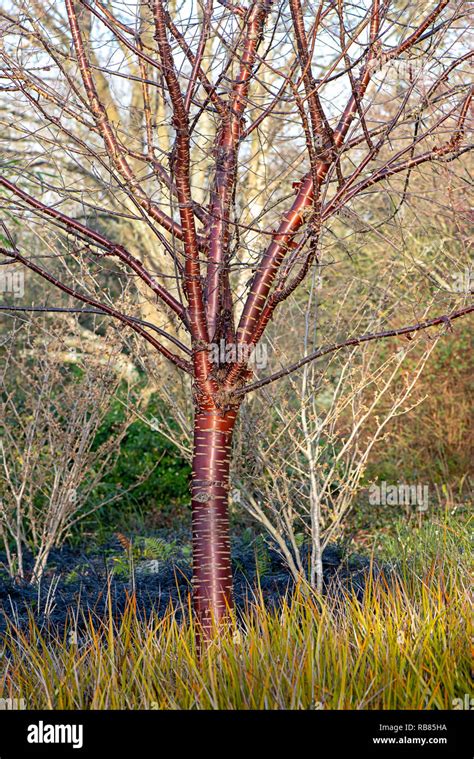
219, 80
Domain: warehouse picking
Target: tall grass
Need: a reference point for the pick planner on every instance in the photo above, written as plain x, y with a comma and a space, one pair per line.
405, 645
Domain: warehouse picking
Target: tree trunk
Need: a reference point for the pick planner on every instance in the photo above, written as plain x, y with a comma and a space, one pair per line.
212, 574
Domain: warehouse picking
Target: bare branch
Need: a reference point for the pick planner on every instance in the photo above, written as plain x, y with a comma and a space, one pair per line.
446, 319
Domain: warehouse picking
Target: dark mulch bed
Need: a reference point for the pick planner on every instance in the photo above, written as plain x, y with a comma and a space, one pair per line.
77, 581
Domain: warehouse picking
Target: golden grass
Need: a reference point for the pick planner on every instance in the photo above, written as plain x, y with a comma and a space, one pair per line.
404, 646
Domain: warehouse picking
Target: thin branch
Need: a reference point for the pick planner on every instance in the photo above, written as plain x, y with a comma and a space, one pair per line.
110, 140
100, 240
16, 256
98, 312
446, 319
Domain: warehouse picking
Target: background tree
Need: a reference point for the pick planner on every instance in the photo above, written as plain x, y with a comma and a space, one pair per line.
230, 139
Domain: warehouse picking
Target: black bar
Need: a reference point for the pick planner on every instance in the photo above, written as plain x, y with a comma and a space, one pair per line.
313, 733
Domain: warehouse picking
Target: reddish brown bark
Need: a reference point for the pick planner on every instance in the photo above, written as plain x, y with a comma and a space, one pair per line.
212, 574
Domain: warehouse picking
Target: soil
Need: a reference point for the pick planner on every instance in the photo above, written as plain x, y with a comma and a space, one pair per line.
158, 571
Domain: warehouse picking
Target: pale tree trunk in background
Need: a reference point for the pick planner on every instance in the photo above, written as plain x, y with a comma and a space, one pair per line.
310, 442
254, 208
316, 567
204, 140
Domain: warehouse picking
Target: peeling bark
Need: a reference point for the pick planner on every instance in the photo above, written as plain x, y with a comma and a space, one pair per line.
212, 575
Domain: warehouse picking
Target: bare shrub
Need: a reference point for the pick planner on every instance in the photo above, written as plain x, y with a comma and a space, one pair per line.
49, 464
307, 460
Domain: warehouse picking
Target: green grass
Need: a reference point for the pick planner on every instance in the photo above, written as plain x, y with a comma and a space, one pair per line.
404, 646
